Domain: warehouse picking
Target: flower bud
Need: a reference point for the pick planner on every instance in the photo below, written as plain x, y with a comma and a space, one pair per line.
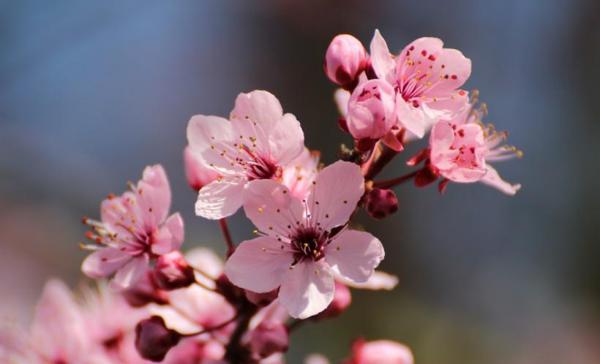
197, 173
380, 351
153, 339
261, 299
172, 271
341, 301
268, 338
371, 110
345, 59
145, 291
381, 203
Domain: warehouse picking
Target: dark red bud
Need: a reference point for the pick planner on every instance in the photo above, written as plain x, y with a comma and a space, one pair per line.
172, 271
153, 339
145, 291
381, 203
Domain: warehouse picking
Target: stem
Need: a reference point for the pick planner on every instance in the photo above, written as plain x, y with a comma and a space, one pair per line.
204, 286
395, 181
380, 157
227, 236
214, 328
235, 352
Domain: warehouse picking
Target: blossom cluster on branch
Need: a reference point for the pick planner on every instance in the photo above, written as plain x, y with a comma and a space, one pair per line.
157, 303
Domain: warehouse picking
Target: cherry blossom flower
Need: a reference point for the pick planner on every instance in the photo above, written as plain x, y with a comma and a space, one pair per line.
426, 78
257, 142
304, 243
134, 229
462, 147
380, 352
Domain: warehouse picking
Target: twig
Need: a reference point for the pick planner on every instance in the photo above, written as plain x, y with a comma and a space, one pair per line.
227, 236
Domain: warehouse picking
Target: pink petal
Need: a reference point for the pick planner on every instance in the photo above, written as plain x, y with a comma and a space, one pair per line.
154, 196
220, 198
341, 98
378, 281
272, 209
258, 264
445, 69
382, 61
104, 262
336, 191
208, 137
131, 273
254, 116
169, 236
197, 172
493, 179
286, 140
306, 289
355, 254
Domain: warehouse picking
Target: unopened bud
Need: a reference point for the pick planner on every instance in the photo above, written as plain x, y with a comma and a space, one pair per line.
268, 338
153, 339
371, 110
345, 59
172, 271
145, 291
381, 203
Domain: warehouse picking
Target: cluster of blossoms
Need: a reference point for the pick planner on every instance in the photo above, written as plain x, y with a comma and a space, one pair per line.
161, 304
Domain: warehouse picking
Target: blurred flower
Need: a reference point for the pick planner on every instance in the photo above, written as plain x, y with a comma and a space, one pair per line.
134, 229
303, 245
256, 143
380, 352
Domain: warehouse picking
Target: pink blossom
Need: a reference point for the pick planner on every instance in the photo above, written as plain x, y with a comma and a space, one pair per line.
371, 110
461, 149
426, 77
380, 352
345, 59
198, 174
304, 243
301, 172
256, 143
134, 229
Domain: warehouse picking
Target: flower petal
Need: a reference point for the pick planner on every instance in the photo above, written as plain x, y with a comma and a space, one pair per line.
212, 139
382, 61
258, 264
307, 289
354, 254
272, 208
153, 196
220, 198
493, 179
131, 273
378, 281
170, 235
104, 262
332, 202
341, 98
286, 140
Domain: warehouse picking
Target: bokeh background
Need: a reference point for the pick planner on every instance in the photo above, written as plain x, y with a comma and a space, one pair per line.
91, 92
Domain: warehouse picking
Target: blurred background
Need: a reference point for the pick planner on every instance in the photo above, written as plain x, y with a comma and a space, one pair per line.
91, 92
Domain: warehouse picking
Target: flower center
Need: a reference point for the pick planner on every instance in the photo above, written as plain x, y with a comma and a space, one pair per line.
309, 244
260, 168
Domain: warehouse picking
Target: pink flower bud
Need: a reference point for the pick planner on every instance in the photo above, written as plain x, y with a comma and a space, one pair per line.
341, 301
261, 299
371, 110
381, 203
380, 351
197, 173
172, 271
153, 339
345, 59
268, 338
